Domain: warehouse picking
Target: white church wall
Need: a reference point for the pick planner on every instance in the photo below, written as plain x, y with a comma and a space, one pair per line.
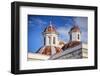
85, 50
34, 56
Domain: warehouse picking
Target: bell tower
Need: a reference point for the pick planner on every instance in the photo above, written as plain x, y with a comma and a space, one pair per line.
50, 36
75, 34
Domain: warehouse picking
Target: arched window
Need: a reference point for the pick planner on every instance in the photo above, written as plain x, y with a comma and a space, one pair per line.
53, 40
49, 40
78, 36
70, 37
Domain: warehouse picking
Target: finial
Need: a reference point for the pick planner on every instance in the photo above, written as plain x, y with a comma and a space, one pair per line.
50, 23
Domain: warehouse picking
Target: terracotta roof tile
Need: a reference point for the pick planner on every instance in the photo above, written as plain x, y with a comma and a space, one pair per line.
50, 29
71, 44
47, 50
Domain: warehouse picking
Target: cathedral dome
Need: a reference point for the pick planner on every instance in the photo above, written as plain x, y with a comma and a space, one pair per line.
50, 29
75, 29
49, 50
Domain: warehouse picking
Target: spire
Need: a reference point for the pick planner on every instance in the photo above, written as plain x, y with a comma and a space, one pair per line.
50, 23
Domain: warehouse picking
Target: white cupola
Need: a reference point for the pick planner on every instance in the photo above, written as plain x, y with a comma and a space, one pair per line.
51, 41
50, 36
75, 34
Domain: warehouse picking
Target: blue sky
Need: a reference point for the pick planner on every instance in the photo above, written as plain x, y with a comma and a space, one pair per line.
37, 24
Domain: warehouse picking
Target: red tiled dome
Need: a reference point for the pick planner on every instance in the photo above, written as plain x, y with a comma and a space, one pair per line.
50, 29
47, 50
75, 29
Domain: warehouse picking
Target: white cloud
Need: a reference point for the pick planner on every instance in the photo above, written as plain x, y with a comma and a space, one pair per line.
84, 37
63, 33
82, 22
37, 21
62, 30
